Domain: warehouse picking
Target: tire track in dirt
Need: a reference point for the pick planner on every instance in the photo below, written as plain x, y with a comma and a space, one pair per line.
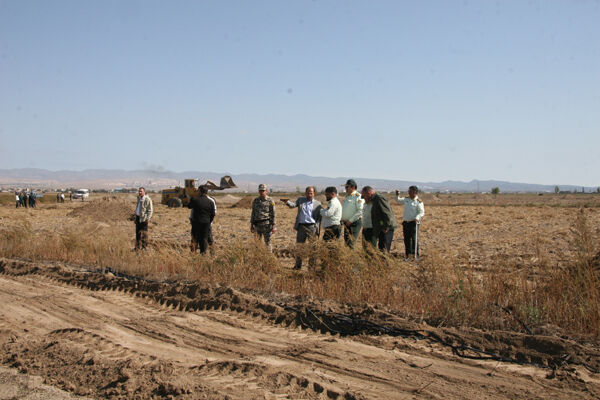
104, 336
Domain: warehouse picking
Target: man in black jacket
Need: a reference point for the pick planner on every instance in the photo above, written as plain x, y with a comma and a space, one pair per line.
382, 217
202, 216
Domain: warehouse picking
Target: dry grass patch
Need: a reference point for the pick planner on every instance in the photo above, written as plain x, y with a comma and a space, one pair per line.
475, 272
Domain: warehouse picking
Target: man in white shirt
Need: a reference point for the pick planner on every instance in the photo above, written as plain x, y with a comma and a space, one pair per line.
414, 210
352, 213
332, 215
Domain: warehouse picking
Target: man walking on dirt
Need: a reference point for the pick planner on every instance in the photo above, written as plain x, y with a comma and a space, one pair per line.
414, 210
352, 213
143, 213
262, 220
308, 220
203, 213
382, 219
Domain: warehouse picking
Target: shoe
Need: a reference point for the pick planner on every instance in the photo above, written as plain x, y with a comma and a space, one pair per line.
406, 258
297, 267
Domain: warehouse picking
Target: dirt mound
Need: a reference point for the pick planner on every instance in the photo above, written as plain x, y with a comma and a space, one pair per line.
227, 199
107, 209
245, 202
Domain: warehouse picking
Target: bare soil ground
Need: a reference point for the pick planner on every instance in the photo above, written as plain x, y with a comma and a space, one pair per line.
101, 334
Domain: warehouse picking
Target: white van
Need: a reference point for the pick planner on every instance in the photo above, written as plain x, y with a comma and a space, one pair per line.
81, 194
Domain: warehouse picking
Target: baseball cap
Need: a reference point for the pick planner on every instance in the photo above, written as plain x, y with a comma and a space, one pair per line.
262, 186
350, 182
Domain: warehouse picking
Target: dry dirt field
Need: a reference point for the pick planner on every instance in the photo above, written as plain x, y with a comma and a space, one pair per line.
70, 328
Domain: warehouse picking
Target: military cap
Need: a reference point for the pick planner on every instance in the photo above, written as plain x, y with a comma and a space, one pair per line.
350, 182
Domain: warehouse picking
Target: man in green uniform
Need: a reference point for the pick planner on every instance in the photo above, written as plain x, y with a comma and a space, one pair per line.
262, 220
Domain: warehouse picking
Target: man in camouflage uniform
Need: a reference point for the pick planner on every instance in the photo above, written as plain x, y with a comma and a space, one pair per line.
262, 221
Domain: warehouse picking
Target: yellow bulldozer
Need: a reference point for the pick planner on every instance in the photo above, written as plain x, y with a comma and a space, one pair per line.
180, 196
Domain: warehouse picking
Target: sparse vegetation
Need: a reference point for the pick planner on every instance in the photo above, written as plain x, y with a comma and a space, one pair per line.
443, 289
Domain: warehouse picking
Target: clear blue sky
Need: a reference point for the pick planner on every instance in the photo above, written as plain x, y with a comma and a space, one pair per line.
423, 91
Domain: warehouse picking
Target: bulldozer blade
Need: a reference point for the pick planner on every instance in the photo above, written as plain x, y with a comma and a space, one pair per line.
227, 182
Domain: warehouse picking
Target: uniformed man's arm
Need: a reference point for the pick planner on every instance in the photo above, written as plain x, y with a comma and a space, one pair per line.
327, 212
360, 203
272, 213
253, 214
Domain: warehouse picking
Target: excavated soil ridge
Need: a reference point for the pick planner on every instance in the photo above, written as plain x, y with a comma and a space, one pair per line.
325, 317
109, 209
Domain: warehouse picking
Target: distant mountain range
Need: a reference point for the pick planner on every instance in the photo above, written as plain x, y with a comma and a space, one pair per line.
156, 180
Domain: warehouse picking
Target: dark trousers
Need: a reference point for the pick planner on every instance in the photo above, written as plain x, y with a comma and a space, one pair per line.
351, 233
200, 233
332, 233
410, 235
385, 240
369, 240
141, 233
305, 232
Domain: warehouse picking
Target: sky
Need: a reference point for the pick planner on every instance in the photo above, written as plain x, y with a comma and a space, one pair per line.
409, 90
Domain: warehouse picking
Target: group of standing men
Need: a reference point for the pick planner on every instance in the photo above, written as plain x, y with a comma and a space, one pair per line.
25, 199
367, 212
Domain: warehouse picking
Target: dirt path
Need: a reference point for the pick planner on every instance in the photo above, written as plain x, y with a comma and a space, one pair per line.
98, 335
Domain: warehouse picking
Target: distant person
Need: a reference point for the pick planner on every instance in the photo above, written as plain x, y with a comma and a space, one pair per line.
352, 213
58, 197
143, 214
414, 210
70, 196
203, 215
18, 200
382, 218
26, 199
307, 220
32, 199
332, 215
62, 197
262, 219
